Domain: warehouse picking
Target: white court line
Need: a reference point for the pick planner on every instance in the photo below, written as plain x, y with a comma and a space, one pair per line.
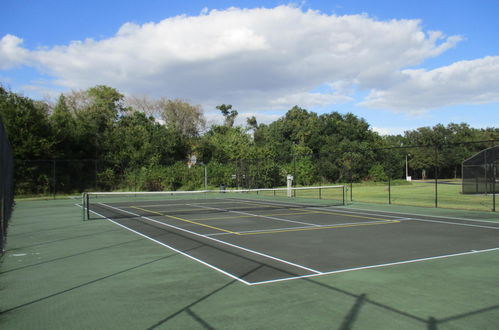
216, 240
331, 226
436, 221
377, 266
173, 249
256, 215
343, 209
264, 230
317, 273
455, 223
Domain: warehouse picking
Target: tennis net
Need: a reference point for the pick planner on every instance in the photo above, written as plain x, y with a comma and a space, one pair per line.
121, 204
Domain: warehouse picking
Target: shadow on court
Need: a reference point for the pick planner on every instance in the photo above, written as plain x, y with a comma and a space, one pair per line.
103, 276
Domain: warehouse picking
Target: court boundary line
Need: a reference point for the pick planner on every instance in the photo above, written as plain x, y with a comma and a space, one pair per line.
250, 216
306, 228
378, 266
344, 209
174, 249
185, 220
422, 219
317, 273
414, 214
218, 241
257, 215
453, 223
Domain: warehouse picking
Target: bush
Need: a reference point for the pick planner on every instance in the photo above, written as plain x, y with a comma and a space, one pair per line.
377, 173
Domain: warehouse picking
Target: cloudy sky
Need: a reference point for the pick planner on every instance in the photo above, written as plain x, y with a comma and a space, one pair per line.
400, 66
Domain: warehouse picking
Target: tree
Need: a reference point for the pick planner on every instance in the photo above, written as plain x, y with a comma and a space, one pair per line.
27, 126
229, 115
63, 127
138, 140
96, 111
143, 104
182, 116
252, 123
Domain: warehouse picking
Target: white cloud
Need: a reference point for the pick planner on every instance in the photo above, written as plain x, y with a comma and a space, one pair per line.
11, 52
390, 130
251, 58
464, 82
262, 118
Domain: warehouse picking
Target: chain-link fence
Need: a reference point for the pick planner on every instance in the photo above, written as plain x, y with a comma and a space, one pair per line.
480, 172
428, 176
6, 185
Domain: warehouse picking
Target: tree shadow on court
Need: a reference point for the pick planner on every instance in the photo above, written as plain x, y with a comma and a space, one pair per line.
196, 317
2, 312
348, 322
361, 300
431, 323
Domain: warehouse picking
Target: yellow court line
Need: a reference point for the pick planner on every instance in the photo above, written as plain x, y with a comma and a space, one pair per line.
186, 220
252, 216
351, 215
317, 228
322, 212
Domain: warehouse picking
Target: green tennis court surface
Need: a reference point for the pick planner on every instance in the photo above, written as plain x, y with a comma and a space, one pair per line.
234, 234
246, 264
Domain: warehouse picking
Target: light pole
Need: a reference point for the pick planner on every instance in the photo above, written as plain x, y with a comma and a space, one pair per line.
407, 177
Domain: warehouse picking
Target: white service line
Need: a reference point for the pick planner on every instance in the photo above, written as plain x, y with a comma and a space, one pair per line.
255, 215
331, 226
377, 266
216, 240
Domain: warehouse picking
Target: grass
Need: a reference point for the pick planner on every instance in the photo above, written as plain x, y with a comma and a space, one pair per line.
421, 193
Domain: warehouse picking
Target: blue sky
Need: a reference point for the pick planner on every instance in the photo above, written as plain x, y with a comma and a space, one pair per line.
377, 59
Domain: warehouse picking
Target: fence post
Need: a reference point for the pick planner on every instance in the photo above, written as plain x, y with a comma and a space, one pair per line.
95, 175
389, 191
53, 178
436, 177
494, 169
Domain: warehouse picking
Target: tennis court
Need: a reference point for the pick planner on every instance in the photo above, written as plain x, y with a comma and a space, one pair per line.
270, 235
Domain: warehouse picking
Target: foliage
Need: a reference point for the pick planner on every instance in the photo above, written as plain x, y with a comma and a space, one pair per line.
113, 143
181, 116
229, 114
377, 173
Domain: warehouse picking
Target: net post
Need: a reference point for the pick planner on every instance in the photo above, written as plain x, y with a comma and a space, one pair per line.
320, 193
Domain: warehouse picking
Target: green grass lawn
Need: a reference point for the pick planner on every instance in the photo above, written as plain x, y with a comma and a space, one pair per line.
421, 193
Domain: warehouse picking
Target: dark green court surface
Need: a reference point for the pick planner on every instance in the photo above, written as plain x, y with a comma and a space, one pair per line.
293, 241
246, 265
